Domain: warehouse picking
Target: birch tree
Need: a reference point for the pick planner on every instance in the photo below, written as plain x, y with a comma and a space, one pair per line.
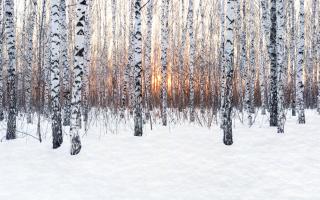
1, 63
202, 57
164, 59
273, 65
29, 55
191, 60
114, 52
228, 73
137, 41
264, 34
78, 73
85, 77
243, 52
148, 57
11, 85
318, 53
65, 65
251, 71
292, 56
300, 62
126, 86
55, 36
280, 65
181, 57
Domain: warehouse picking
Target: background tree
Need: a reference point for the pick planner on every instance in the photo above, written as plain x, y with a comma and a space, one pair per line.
280, 65
164, 47
1, 62
65, 65
55, 74
11, 49
137, 41
273, 109
300, 61
192, 60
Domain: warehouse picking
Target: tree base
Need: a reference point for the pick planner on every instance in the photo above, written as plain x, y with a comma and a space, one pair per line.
75, 145
1, 116
227, 139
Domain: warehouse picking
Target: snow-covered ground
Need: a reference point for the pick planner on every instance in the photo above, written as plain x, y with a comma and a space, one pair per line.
186, 162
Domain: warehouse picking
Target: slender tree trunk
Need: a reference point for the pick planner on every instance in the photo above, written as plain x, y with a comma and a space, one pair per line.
221, 56
114, 55
228, 73
280, 65
65, 65
78, 76
264, 40
243, 47
251, 71
85, 77
148, 66
1, 63
182, 58
318, 53
192, 60
202, 59
293, 57
138, 69
29, 56
126, 87
300, 58
164, 59
46, 73
11, 85
273, 68
55, 74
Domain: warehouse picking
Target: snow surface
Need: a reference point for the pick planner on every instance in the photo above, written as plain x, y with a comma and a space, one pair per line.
186, 162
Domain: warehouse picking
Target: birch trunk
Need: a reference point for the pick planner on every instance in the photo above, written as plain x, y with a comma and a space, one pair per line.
280, 65
1, 62
65, 65
55, 36
300, 61
164, 59
11, 85
137, 59
148, 66
78, 75
273, 66
227, 87
192, 60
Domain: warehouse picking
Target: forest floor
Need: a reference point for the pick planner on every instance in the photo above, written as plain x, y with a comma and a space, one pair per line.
181, 162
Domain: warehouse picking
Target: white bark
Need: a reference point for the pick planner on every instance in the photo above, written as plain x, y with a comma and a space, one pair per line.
1, 61
148, 66
137, 62
300, 61
181, 57
164, 59
55, 74
29, 56
280, 64
202, 57
65, 65
318, 56
228, 73
11, 49
192, 60
78, 76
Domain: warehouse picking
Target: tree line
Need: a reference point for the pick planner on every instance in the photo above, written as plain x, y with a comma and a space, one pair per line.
204, 59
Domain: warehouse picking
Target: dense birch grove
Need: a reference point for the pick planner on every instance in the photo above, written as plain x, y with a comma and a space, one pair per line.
157, 61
